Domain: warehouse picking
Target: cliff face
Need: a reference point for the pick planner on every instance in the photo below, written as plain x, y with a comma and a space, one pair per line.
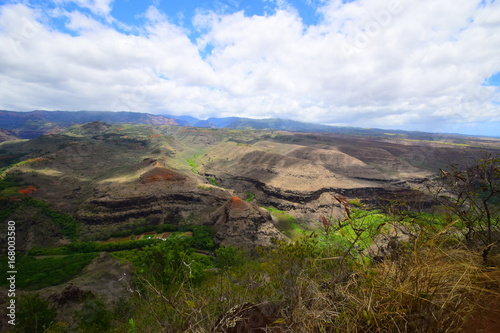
241, 224
108, 176
160, 192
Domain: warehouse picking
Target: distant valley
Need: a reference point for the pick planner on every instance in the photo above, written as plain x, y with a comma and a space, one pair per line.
105, 201
109, 176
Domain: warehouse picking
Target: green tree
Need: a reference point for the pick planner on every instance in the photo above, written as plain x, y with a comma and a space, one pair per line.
35, 314
93, 316
167, 262
203, 238
228, 256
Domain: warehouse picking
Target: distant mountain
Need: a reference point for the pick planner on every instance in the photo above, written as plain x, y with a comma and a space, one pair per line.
293, 126
303, 127
269, 124
296, 126
220, 122
182, 120
29, 125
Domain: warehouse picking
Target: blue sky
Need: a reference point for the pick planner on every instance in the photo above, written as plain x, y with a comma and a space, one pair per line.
180, 12
429, 65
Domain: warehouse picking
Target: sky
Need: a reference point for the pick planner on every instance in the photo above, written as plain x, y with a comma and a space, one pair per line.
427, 65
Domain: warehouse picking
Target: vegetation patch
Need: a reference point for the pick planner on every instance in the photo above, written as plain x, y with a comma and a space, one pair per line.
287, 224
33, 273
213, 181
250, 196
192, 161
206, 187
67, 223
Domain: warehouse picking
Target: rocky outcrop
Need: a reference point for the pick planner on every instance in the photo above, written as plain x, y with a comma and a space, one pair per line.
387, 244
241, 224
109, 210
70, 293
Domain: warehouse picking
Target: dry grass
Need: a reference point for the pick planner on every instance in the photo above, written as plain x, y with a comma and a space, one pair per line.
432, 285
426, 289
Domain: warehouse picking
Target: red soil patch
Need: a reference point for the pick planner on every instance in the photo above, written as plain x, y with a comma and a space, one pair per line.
166, 235
155, 136
9, 198
28, 190
161, 175
236, 202
36, 160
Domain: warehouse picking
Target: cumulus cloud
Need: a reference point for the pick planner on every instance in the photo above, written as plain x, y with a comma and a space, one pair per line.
379, 63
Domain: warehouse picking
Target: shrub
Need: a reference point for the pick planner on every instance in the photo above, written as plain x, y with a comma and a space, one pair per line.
228, 256
35, 314
472, 195
36, 273
203, 238
67, 224
213, 181
93, 316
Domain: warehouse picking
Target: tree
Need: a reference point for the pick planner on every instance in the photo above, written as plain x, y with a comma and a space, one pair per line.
472, 195
228, 256
35, 314
93, 316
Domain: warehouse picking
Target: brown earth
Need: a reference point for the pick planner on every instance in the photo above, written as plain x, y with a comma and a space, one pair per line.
159, 174
486, 319
106, 181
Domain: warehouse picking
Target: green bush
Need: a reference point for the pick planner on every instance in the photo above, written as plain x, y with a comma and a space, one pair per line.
166, 227
228, 256
67, 223
171, 262
88, 247
36, 273
250, 196
93, 316
203, 238
7, 207
35, 314
213, 181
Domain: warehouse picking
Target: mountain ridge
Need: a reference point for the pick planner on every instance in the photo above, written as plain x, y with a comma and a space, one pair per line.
30, 124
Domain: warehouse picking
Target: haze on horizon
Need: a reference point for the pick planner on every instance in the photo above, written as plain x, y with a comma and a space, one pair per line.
428, 65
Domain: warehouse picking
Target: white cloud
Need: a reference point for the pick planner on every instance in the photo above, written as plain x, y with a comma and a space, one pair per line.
97, 7
378, 63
